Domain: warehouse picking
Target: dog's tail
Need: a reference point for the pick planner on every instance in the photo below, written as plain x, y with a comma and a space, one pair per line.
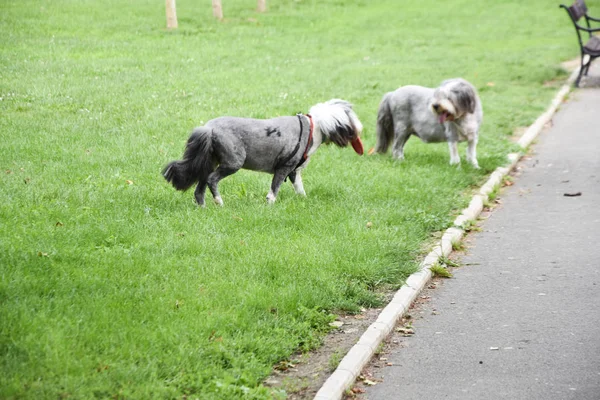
197, 161
385, 125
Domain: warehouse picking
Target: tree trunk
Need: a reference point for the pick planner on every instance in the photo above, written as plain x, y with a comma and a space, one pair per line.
171, 15
217, 9
261, 6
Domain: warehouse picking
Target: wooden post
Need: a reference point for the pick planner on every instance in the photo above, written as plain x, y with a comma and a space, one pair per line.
217, 9
171, 15
261, 6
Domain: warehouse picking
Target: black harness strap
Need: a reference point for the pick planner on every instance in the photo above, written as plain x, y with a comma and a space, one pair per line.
295, 151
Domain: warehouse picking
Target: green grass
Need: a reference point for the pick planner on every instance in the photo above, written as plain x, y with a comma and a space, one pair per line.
440, 271
114, 285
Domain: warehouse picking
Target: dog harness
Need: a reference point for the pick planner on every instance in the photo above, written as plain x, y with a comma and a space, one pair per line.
308, 144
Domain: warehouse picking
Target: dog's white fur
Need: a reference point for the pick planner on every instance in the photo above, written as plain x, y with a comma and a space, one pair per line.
452, 113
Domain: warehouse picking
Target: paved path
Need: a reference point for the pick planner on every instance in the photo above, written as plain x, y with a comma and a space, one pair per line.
522, 319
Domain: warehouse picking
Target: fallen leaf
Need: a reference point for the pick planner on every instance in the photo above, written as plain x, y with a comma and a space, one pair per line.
358, 390
369, 224
508, 183
491, 84
59, 223
406, 331
336, 324
42, 254
129, 182
576, 194
101, 368
284, 365
369, 382
371, 151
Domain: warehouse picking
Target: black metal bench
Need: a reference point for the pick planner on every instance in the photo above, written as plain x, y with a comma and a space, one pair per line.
591, 48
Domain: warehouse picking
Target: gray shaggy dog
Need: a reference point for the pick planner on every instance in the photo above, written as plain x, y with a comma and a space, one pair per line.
281, 146
450, 113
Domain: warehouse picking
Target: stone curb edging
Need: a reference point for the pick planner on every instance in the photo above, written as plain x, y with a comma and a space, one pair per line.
359, 355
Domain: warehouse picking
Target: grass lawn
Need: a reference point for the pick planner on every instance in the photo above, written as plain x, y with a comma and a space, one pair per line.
114, 285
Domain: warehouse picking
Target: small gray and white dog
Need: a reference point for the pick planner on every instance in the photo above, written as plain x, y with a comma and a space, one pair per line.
281, 146
450, 113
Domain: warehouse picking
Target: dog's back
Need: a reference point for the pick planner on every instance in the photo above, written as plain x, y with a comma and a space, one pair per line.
404, 104
257, 143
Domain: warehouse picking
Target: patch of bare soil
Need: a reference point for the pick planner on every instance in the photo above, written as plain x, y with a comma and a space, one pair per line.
592, 80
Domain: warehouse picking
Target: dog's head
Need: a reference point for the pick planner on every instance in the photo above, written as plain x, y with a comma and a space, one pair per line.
338, 124
453, 99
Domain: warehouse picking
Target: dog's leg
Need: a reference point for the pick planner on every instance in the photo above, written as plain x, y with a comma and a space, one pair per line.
296, 180
199, 192
214, 178
454, 157
401, 135
278, 179
472, 152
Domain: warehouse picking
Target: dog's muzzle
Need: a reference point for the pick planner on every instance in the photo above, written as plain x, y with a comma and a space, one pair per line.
443, 114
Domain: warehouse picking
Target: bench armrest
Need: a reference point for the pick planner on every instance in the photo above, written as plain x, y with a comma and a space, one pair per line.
590, 30
593, 19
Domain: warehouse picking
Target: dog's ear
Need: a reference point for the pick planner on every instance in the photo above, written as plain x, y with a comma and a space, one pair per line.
466, 98
353, 131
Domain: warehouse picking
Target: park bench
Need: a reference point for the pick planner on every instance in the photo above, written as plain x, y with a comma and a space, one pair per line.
591, 48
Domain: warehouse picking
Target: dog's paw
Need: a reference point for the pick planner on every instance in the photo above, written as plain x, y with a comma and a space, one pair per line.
219, 201
398, 156
271, 198
474, 163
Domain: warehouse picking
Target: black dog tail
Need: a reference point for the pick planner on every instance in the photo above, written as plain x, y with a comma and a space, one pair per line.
197, 161
385, 125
